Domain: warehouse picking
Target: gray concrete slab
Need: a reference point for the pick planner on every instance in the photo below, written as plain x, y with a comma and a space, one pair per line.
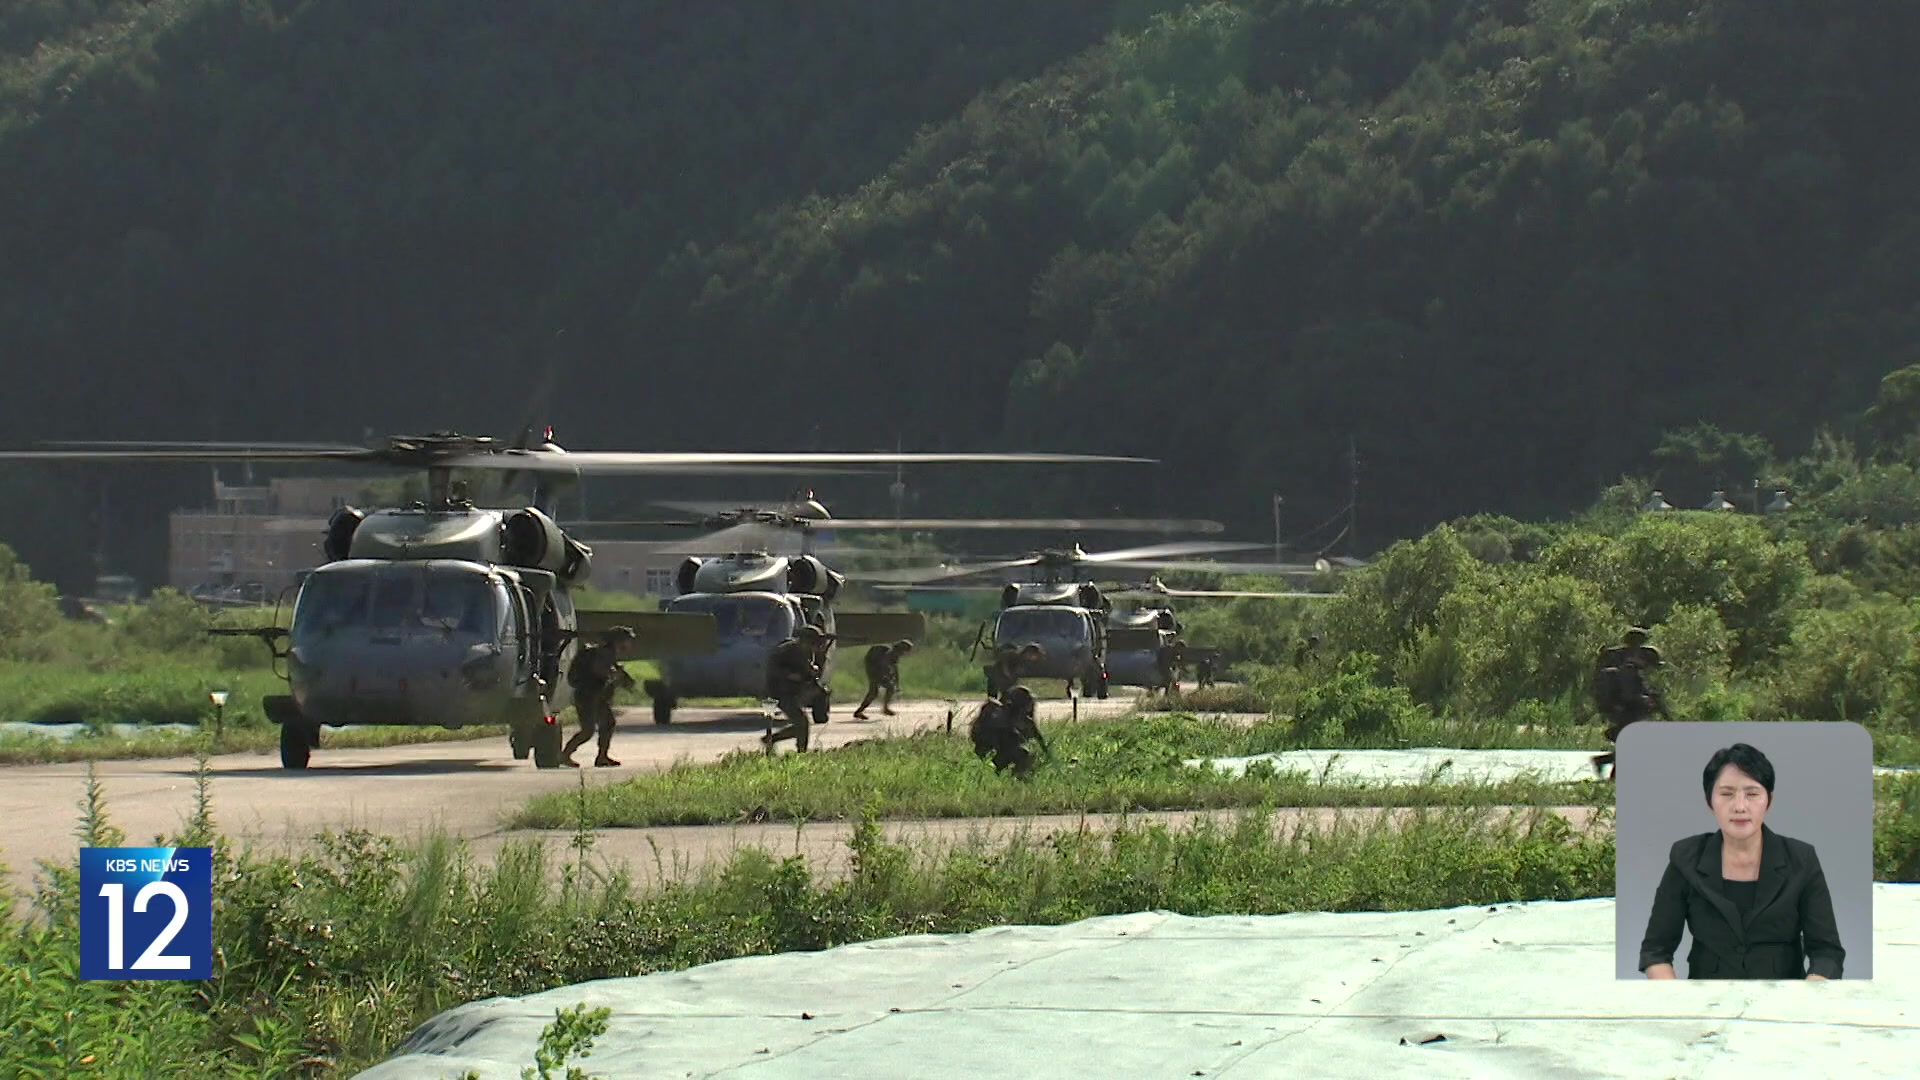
74, 731
1517, 990
1418, 764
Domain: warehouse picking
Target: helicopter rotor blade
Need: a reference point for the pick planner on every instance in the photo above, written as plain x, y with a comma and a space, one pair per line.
450, 451
938, 588
198, 444
372, 457
1246, 569
1165, 551
1014, 524
1248, 594
942, 573
619, 461
394, 457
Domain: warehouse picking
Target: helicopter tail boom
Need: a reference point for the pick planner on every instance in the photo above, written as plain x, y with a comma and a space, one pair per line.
879, 627
656, 634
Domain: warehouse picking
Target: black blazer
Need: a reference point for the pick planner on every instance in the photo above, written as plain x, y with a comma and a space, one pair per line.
1789, 930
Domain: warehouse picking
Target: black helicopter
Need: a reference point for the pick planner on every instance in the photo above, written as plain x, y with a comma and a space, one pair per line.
447, 614
760, 596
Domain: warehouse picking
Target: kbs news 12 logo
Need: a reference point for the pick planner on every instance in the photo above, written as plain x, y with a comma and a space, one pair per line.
146, 913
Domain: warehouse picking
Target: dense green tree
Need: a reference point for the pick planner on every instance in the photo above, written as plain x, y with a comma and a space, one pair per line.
1502, 247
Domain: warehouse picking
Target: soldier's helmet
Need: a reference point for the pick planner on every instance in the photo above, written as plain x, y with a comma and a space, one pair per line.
903, 646
1636, 636
810, 632
1018, 697
1033, 652
617, 633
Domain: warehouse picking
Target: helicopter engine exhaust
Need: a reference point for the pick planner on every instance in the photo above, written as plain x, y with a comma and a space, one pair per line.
532, 539
340, 529
684, 577
807, 574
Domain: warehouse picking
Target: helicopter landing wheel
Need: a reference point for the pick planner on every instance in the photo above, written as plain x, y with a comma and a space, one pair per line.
545, 742
297, 743
663, 709
822, 709
517, 740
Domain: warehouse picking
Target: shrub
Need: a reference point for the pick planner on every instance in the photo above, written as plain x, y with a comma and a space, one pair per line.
1855, 663
1353, 706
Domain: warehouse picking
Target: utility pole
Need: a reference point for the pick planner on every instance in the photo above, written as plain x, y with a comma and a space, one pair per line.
1353, 493
898, 489
1278, 556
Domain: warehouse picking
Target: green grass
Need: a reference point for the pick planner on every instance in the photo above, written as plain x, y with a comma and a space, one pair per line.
330, 959
154, 690
326, 961
1097, 766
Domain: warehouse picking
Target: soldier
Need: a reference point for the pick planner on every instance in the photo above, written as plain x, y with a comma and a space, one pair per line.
1172, 656
793, 678
883, 676
1003, 729
595, 675
1011, 664
1306, 650
1620, 688
1203, 669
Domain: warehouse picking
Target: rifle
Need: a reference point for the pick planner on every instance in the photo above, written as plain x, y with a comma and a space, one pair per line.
1033, 726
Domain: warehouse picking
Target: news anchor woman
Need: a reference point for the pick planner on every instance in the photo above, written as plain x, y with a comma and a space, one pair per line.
1756, 901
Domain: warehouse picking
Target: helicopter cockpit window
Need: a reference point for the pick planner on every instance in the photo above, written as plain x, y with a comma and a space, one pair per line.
460, 603
394, 600
328, 602
1039, 623
755, 617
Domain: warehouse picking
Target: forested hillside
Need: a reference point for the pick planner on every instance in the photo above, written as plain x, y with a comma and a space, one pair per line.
1502, 246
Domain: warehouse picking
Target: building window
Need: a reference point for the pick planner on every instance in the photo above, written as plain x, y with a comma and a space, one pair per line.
660, 583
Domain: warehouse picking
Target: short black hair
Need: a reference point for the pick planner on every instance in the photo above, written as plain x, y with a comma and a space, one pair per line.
1743, 757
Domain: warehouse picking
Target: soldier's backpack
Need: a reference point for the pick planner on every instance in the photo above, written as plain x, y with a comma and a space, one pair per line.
1615, 683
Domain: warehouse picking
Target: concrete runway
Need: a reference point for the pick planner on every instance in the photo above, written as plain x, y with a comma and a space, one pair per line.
465, 788
469, 788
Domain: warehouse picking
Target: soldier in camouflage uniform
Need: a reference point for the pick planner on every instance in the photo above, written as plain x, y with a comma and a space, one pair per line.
883, 676
1003, 729
1306, 650
1011, 664
1620, 688
1171, 657
793, 678
595, 676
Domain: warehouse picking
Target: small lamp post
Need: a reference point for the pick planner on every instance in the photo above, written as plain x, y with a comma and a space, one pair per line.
1719, 502
219, 699
1657, 503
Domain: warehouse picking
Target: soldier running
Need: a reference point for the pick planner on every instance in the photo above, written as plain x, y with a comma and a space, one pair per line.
883, 676
595, 675
1620, 689
793, 677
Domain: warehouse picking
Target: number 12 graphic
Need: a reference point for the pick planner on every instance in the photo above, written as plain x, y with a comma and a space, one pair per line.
170, 923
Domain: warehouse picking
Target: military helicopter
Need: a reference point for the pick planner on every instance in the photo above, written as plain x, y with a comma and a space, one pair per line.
760, 598
445, 613
1065, 616
1135, 638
